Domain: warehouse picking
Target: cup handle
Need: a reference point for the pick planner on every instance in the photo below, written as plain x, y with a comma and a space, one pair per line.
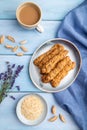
39, 28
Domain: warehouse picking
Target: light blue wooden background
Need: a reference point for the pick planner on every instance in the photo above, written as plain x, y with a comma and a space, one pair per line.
53, 13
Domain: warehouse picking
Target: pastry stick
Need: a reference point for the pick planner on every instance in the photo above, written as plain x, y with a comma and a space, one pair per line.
50, 55
53, 61
38, 59
48, 77
55, 82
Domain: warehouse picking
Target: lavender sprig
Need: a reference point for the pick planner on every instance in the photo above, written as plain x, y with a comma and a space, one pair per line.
16, 74
3, 91
8, 78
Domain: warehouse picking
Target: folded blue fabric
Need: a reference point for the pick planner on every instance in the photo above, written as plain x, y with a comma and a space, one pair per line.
74, 99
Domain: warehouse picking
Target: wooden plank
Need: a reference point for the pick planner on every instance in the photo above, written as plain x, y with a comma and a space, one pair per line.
34, 38
52, 10
9, 120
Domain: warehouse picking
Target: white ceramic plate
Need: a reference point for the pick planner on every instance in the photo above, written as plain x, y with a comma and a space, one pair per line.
28, 122
69, 79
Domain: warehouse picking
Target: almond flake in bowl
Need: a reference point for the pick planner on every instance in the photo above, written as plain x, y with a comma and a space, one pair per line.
32, 107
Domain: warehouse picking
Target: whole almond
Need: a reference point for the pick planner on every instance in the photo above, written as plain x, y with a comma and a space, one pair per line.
10, 38
23, 42
53, 109
62, 118
15, 49
2, 38
20, 54
24, 48
8, 46
52, 119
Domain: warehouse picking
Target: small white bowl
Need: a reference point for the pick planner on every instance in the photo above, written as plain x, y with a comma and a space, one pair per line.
29, 122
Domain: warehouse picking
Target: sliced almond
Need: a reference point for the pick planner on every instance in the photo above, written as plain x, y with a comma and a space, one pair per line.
53, 109
2, 38
11, 38
20, 54
23, 42
52, 119
62, 118
15, 49
8, 46
24, 48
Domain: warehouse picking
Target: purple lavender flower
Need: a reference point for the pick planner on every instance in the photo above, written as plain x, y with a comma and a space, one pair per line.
7, 62
17, 71
5, 75
12, 83
18, 88
9, 71
13, 66
8, 79
9, 66
21, 67
12, 97
1, 76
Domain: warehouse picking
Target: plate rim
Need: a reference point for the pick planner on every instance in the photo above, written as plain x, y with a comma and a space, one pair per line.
22, 99
61, 39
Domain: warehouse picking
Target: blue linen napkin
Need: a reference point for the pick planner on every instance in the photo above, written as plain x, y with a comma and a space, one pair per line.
74, 99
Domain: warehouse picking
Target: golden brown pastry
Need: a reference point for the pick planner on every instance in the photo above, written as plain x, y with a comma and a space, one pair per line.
51, 55
53, 61
55, 82
44, 55
48, 77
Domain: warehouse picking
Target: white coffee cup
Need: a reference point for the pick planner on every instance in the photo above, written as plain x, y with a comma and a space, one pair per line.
27, 26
